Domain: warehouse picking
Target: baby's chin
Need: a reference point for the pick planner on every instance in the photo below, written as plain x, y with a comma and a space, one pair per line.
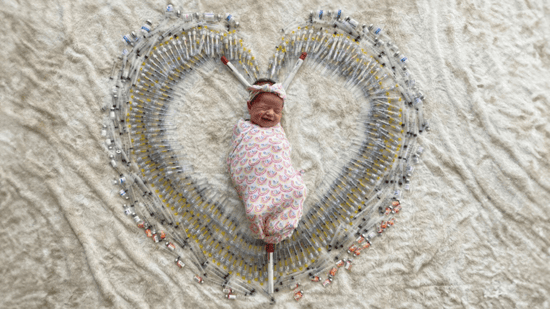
265, 123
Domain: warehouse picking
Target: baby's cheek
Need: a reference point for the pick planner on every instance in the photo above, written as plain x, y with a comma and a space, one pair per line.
260, 113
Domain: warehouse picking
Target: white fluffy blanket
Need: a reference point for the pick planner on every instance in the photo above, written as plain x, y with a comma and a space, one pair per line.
473, 233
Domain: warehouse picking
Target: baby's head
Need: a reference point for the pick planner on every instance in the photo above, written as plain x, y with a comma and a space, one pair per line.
266, 108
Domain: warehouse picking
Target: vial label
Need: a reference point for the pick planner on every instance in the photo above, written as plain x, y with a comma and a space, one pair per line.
198, 279
231, 296
148, 233
170, 246
348, 265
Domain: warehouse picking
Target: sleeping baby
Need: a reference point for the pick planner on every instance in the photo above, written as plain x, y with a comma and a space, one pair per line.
272, 191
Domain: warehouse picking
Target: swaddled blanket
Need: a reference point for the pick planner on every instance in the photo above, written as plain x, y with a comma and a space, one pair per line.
272, 191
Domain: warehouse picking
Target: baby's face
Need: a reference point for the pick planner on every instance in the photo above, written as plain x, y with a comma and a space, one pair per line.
266, 110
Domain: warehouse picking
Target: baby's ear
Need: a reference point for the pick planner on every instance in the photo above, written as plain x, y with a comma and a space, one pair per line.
249, 104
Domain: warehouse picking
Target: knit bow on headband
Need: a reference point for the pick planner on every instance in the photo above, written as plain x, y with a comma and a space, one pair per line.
257, 89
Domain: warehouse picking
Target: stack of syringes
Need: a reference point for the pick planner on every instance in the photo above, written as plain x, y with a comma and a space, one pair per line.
357, 204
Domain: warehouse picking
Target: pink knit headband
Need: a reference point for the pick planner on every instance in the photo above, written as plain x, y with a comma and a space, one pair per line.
257, 89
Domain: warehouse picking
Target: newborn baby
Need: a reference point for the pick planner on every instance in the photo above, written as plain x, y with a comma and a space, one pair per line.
259, 163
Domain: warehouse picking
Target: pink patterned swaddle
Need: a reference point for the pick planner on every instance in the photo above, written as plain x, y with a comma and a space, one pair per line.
273, 192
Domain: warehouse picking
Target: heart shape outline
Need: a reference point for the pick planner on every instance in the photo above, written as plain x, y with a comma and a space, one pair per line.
196, 196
